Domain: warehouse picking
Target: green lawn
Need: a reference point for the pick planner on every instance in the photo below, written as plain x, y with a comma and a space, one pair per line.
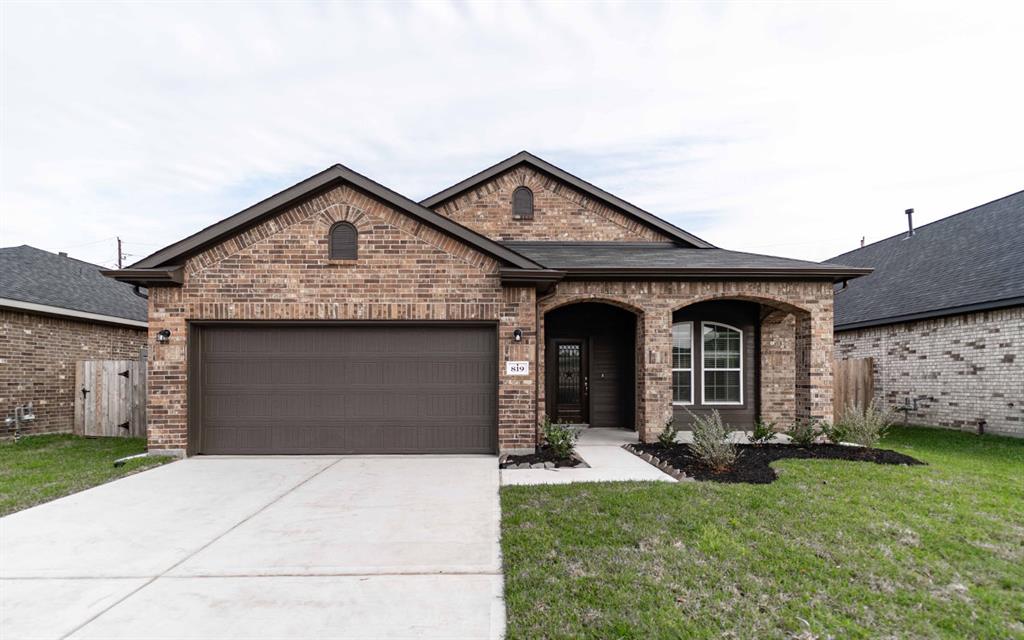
830, 549
38, 469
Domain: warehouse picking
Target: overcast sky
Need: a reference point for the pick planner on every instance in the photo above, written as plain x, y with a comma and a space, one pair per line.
783, 129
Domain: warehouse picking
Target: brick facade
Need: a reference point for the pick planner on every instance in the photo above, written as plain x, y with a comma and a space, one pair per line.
560, 212
37, 363
280, 270
961, 369
796, 376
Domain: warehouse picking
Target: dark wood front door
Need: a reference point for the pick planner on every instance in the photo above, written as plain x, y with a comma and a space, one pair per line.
571, 381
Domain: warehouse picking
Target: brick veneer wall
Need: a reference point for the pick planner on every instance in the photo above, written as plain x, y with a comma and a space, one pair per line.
280, 270
961, 368
778, 371
560, 212
37, 364
796, 368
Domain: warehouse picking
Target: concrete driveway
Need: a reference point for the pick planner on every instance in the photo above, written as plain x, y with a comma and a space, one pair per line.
269, 547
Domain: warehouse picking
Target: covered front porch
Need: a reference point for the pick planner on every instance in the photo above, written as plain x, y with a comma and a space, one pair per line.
633, 355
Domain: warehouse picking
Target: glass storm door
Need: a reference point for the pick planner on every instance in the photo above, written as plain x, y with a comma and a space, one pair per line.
570, 381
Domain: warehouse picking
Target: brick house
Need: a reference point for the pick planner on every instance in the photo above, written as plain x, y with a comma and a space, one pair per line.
943, 317
340, 316
55, 311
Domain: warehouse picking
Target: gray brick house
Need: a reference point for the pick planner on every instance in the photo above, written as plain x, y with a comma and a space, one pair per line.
943, 317
341, 317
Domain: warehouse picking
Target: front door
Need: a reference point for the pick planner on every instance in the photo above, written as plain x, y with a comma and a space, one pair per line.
571, 383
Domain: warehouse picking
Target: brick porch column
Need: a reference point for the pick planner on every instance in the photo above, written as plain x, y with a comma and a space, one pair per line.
814, 365
657, 372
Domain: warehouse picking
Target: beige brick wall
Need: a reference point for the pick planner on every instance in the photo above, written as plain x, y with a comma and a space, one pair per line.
279, 270
37, 364
797, 365
560, 212
962, 369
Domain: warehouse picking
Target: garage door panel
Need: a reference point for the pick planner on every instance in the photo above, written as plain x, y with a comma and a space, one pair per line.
338, 389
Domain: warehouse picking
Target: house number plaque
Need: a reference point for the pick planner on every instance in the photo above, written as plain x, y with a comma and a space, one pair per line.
517, 368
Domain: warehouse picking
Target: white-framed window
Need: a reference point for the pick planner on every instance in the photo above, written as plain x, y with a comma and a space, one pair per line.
722, 360
682, 363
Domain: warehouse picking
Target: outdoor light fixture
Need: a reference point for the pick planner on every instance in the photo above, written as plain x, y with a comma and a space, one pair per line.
164, 336
517, 335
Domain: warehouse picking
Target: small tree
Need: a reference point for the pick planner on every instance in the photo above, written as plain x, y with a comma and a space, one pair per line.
866, 427
711, 441
560, 438
667, 437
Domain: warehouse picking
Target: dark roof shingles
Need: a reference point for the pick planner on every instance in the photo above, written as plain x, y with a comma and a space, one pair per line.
972, 258
32, 275
610, 255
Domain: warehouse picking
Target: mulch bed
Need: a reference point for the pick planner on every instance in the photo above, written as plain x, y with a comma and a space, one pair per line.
543, 456
752, 464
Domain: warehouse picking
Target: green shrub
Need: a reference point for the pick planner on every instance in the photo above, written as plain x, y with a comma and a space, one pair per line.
711, 441
560, 438
763, 432
667, 437
803, 432
836, 433
865, 427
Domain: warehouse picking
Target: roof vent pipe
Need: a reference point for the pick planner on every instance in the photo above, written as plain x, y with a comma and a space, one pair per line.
910, 222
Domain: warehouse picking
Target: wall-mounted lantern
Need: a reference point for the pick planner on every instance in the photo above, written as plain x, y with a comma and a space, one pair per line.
517, 335
164, 336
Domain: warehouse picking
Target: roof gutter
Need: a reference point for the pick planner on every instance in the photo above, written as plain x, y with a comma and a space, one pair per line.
543, 279
698, 273
934, 313
173, 276
61, 312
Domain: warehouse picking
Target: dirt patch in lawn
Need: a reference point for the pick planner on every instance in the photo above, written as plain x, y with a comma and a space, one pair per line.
543, 456
753, 463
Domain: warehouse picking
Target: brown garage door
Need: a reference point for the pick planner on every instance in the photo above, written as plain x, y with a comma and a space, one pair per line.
345, 389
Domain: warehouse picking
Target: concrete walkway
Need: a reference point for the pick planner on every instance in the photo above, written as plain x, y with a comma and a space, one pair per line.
283, 547
602, 450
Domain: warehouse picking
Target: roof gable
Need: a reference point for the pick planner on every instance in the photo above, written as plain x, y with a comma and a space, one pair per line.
176, 253
972, 260
526, 158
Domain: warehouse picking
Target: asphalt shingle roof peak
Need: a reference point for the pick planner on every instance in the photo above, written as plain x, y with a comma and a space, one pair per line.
970, 260
28, 274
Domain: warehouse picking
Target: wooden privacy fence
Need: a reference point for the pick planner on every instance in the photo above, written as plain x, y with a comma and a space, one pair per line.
853, 384
110, 398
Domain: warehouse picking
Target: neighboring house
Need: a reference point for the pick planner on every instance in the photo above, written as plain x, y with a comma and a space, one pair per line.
55, 311
943, 317
339, 316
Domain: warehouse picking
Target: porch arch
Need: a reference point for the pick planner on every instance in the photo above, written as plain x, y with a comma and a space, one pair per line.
775, 376
616, 341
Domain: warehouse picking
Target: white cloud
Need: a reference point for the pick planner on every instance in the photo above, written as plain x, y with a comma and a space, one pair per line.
789, 129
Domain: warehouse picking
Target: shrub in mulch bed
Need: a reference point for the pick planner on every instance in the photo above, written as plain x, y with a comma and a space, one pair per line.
544, 456
752, 464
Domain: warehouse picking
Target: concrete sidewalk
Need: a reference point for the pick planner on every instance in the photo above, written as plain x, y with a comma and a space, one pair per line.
285, 547
602, 450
